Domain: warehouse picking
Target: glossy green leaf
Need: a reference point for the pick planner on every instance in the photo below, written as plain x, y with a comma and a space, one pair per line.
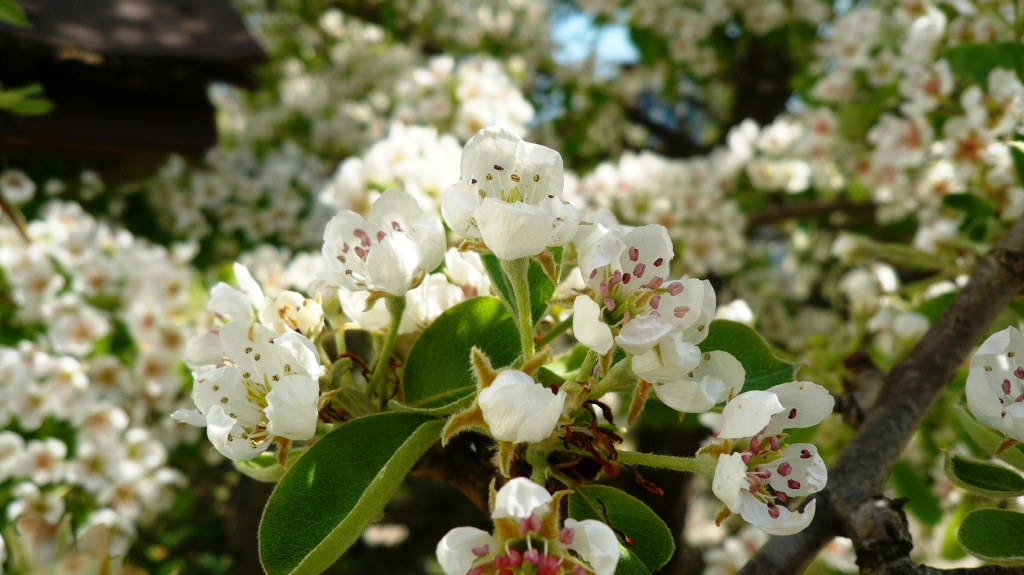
984, 478
325, 501
763, 368
653, 543
541, 286
972, 63
438, 372
994, 535
987, 439
11, 13
265, 467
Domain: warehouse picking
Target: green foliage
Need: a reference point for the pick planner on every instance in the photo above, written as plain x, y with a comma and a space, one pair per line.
971, 63
987, 439
652, 542
24, 101
994, 535
438, 373
11, 13
856, 119
1017, 153
763, 368
984, 478
976, 213
265, 467
909, 483
325, 501
541, 286
933, 307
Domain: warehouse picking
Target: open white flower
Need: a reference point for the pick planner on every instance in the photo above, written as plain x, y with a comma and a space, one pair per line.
527, 536
759, 473
517, 409
717, 378
510, 196
391, 252
16, 187
270, 389
995, 383
291, 311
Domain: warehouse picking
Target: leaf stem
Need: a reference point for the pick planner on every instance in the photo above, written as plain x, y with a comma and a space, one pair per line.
516, 270
378, 381
587, 367
702, 464
559, 328
620, 376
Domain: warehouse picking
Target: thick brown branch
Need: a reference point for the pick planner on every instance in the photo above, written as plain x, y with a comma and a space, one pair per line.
910, 389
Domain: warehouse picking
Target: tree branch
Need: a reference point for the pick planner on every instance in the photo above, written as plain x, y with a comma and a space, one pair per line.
815, 209
860, 473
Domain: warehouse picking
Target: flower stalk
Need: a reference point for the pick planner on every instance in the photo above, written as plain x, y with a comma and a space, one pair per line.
378, 381
517, 272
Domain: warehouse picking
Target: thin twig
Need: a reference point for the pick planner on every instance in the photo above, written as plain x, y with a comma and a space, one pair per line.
910, 389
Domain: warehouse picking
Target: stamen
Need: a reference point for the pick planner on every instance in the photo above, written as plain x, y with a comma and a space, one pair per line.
1019, 372
792, 413
566, 535
397, 227
773, 510
638, 271
626, 277
380, 236
609, 303
532, 556
680, 311
774, 441
675, 288
481, 550
785, 469
655, 301
805, 454
1006, 386
793, 484
364, 238
634, 254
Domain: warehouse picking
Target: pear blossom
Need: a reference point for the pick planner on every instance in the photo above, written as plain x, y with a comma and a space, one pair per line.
527, 538
758, 474
517, 409
995, 383
510, 196
269, 389
16, 187
392, 252
717, 377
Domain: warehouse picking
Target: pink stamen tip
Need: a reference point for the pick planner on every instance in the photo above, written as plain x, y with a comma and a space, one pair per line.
658, 262
780, 496
609, 304
754, 447
793, 484
604, 289
1019, 372
344, 248
593, 274
805, 454
774, 441
566, 535
746, 457
578, 570
380, 236
506, 572
638, 271
792, 413
634, 254
397, 227
773, 511
515, 559
626, 278
625, 317
1006, 386
364, 238
475, 571
616, 277
532, 556
481, 550
500, 562
655, 283
529, 524
680, 311
655, 301
675, 288
785, 469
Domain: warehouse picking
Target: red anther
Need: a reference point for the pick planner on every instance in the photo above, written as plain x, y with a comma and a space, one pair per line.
634, 254
754, 447
397, 227
780, 496
380, 236
515, 559
604, 289
773, 510
500, 562
658, 262
805, 454
506, 572
499, 168
655, 301
593, 274
792, 413
774, 441
626, 277
655, 282
609, 304
639, 270
1019, 398
529, 524
532, 556
1006, 386
566, 535
481, 550
1019, 372
680, 311
675, 288
793, 484
475, 571
364, 238
763, 473
344, 248
361, 252
785, 469
746, 457
616, 278
625, 317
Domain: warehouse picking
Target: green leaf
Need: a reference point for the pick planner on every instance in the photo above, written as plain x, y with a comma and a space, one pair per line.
541, 286
971, 63
933, 307
1017, 153
11, 13
994, 535
763, 368
987, 439
984, 478
265, 468
653, 543
325, 501
438, 372
912, 485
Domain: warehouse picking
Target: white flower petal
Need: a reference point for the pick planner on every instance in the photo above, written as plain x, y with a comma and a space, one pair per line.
520, 498
192, 417
458, 203
292, 407
226, 436
596, 544
671, 359
248, 285
515, 230
788, 523
804, 403
748, 413
588, 327
805, 473
517, 409
642, 333
729, 481
455, 549
223, 388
